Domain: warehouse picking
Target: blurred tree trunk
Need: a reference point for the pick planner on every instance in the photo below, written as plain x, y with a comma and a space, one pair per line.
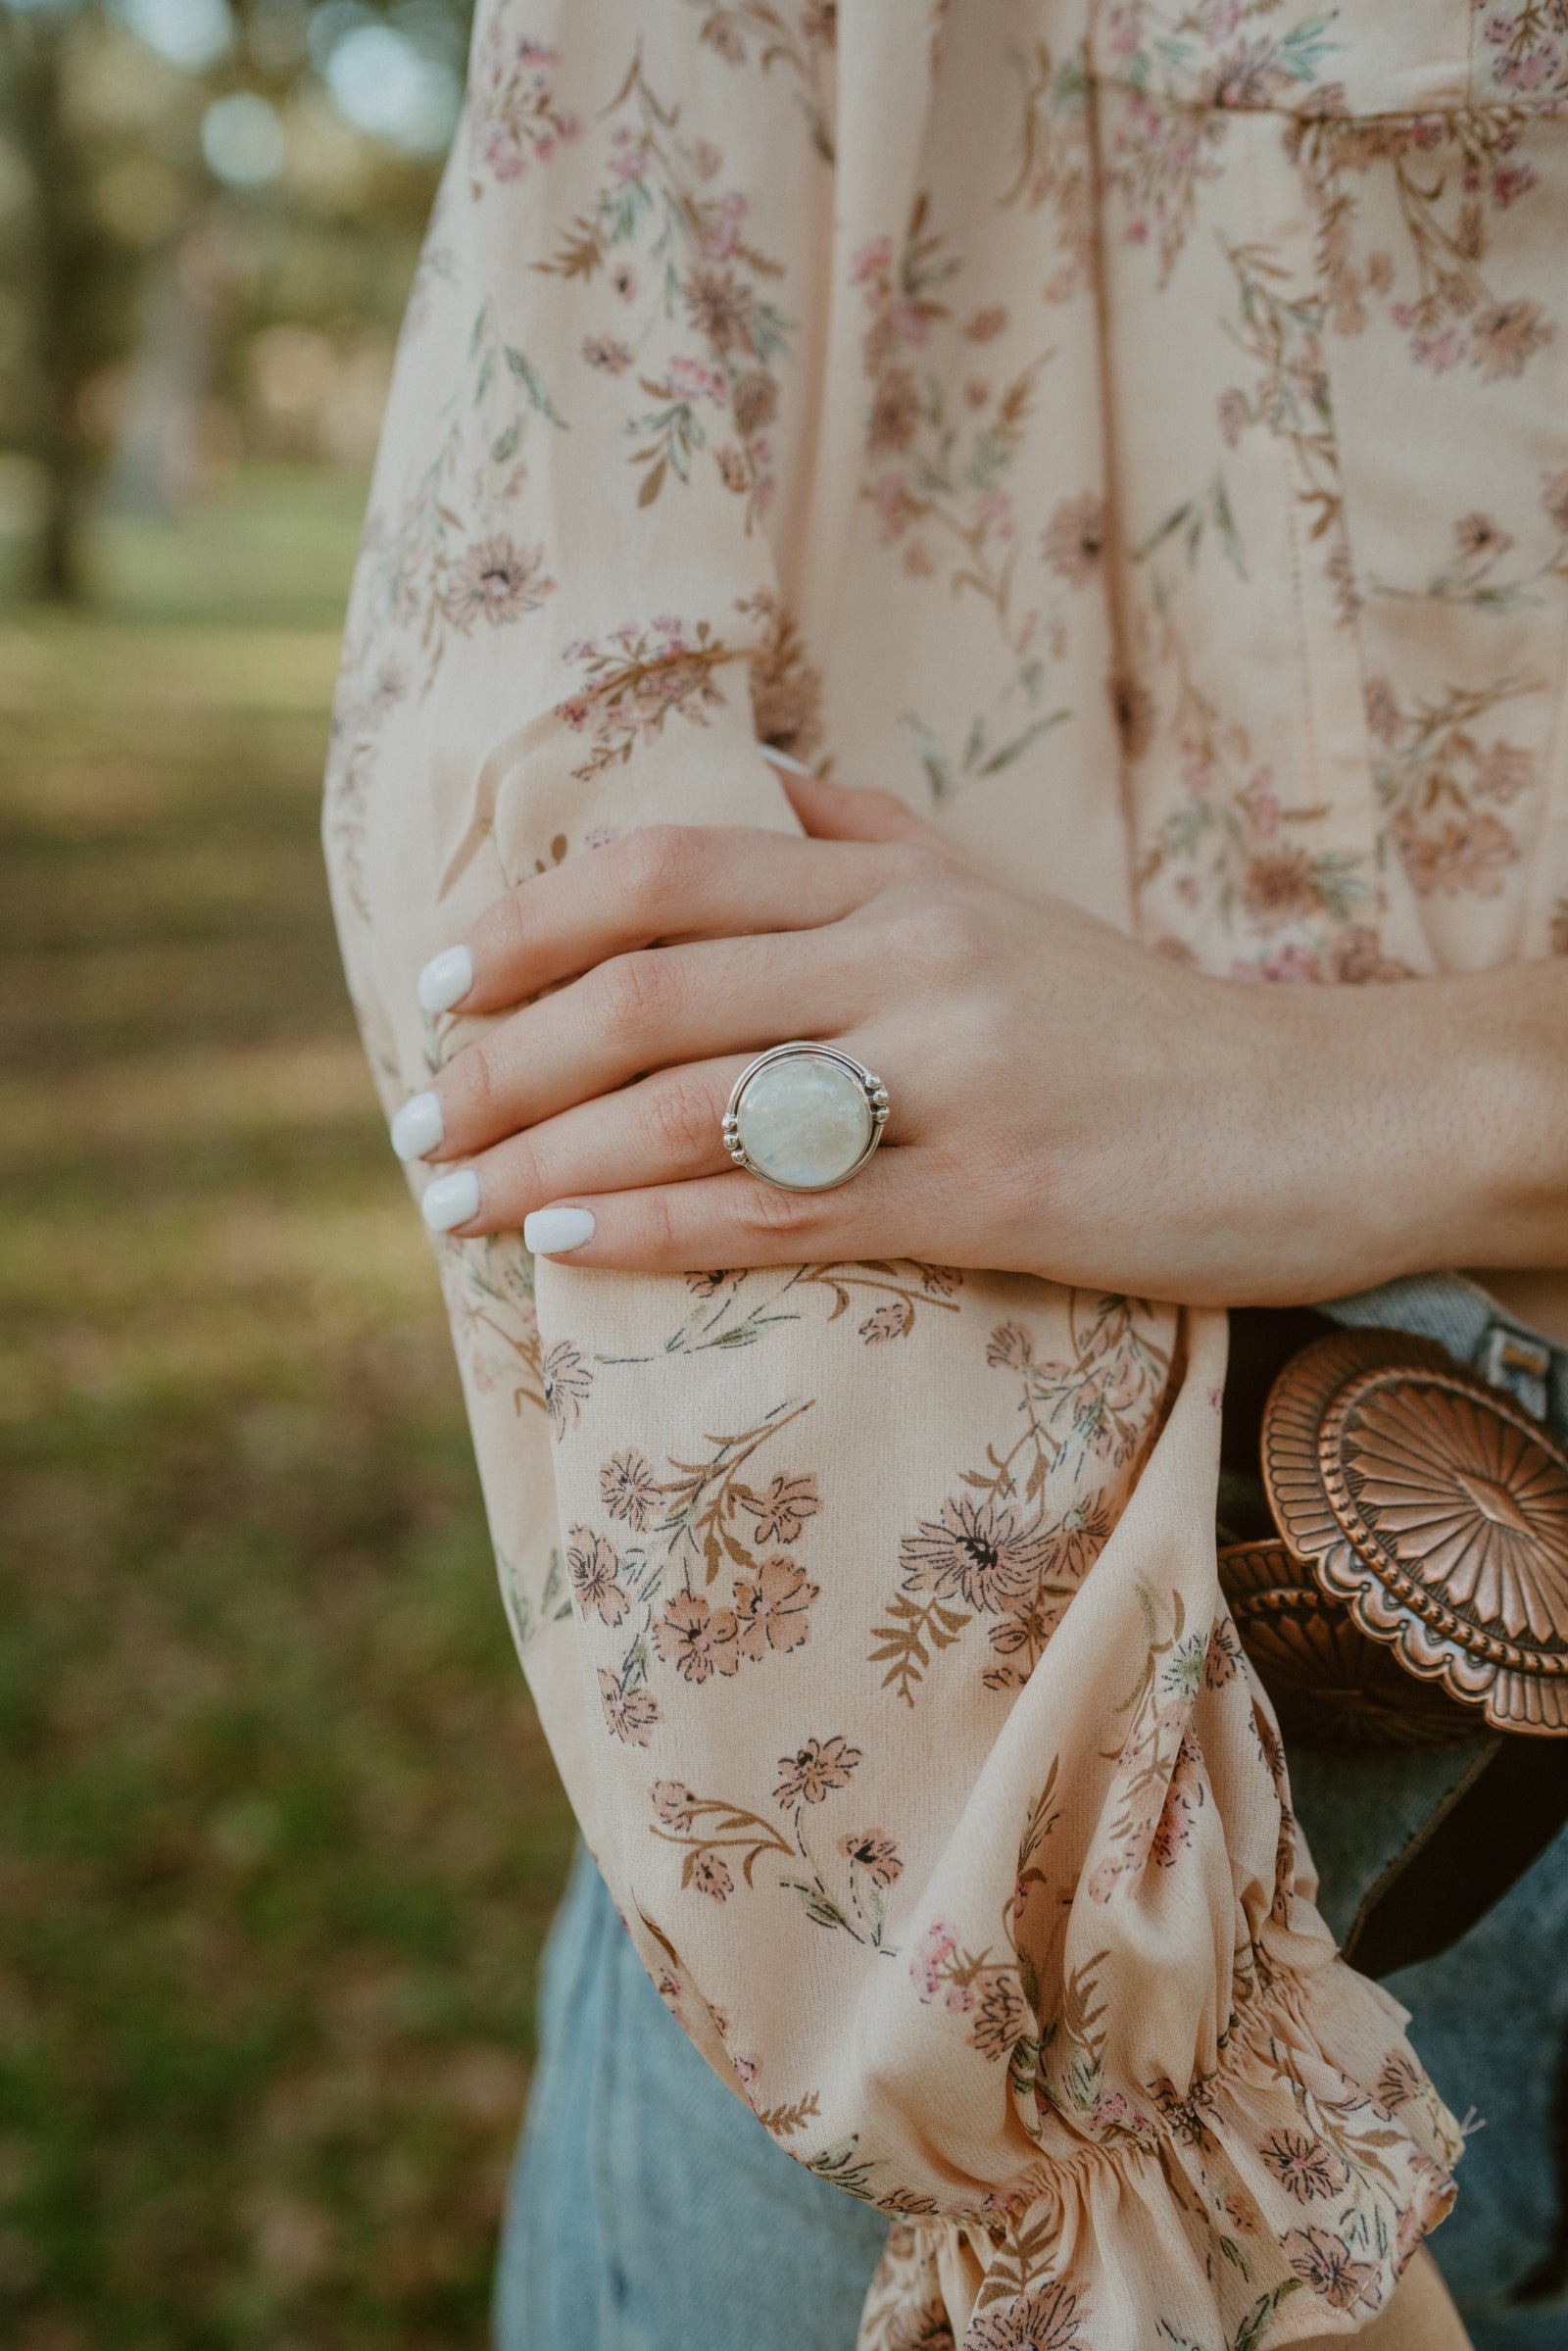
67, 267
156, 462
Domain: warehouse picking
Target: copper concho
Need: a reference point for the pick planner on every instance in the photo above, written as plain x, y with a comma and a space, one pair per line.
1436, 1509
1331, 1687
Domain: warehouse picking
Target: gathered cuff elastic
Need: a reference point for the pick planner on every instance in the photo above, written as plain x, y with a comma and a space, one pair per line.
1276, 2200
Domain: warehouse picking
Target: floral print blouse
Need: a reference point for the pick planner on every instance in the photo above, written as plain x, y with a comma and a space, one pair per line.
1137, 434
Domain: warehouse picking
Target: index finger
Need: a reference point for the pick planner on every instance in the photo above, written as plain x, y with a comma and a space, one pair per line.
655, 885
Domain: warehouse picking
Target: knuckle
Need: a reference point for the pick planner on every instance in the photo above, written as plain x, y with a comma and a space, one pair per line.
910, 865
470, 1087
656, 1236
500, 936
896, 811
524, 1175
952, 933
684, 1119
633, 995
660, 860
767, 1210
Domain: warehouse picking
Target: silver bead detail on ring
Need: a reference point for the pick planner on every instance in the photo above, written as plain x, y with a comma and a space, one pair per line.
804, 1117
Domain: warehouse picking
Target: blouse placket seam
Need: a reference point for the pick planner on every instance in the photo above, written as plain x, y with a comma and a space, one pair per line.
1299, 611
1177, 102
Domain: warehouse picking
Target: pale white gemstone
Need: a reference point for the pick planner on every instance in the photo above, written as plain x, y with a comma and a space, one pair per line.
804, 1121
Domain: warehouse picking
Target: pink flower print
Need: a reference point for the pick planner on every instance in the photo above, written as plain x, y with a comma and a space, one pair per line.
874, 1852
975, 1553
694, 381
627, 1486
1303, 2166
593, 1569
1504, 338
819, 1766
695, 1638
606, 352
771, 1608
932, 1953
711, 1876
1324, 2263
504, 154
723, 231
1000, 2015
894, 508
1010, 1346
496, 580
1046, 2320
1440, 352
629, 1714
674, 1801
782, 1509
1509, 182
1126, 34
1290, 965
629, 155
871, 262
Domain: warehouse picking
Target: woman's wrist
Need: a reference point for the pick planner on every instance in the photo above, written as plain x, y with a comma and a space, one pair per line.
1429, 1119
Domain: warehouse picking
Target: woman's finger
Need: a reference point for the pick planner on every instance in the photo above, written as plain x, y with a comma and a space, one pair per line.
735, 1219
654, 1010
833, 811
664, 1130
661, 882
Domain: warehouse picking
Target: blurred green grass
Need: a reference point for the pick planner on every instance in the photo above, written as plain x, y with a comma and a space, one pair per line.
279, 1833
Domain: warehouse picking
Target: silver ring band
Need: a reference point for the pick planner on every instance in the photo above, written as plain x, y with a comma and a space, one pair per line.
804, 1117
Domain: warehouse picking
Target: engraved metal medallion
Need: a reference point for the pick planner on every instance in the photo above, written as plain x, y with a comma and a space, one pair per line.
1434, 1507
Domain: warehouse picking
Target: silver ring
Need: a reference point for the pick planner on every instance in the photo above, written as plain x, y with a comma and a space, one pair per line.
804, 1117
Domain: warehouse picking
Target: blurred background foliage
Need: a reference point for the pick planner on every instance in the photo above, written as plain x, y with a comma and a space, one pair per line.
278, 1835
209, 214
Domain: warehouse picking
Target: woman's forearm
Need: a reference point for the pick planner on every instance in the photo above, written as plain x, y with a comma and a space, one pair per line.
1424, 1124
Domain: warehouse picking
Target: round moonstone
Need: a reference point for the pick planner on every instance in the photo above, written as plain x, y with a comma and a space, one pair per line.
804, 1121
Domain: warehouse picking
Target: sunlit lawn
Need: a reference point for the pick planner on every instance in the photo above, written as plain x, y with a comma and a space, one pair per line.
278, 1835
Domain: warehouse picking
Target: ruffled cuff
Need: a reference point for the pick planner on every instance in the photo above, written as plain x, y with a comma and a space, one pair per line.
1285, 2190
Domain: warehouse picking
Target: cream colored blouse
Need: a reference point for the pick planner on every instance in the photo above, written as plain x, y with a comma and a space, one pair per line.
1140, 437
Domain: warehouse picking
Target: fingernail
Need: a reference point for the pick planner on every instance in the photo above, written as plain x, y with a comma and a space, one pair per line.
784, 759
451, 1199
446, 979
549, 1232
417, 1127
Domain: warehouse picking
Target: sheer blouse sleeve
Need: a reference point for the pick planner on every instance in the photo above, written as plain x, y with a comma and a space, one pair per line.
870, 1610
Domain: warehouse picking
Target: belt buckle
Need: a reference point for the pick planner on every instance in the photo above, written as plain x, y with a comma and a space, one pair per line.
1431, 1508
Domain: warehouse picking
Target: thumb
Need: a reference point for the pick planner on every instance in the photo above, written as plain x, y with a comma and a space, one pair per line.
832, 811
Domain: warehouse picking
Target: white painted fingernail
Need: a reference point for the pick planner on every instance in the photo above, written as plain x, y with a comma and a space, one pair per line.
446, 979
549, 1232
417, 1127
451, 1199
784, 759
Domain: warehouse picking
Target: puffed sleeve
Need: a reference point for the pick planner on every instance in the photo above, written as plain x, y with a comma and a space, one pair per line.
870, 1610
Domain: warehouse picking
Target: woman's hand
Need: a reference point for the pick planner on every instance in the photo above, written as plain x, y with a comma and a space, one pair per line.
1063, 1103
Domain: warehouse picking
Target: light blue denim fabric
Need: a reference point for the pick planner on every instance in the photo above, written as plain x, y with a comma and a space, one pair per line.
642, 2181
648, 2209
